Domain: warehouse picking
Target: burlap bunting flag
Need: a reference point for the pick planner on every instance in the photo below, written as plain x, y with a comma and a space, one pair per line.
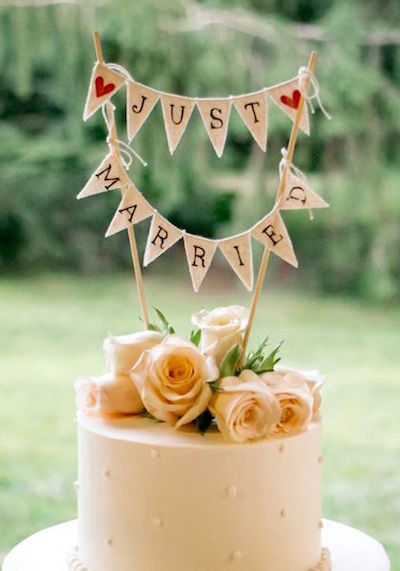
199, 254
215, 115
298, 195
238, 253
132, 209
287, 96
271, 231
109, 175
140, 103
103, 84
176, 112
252, 109
161, 237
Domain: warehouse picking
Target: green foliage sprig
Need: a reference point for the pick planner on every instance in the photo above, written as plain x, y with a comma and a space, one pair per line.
163, 326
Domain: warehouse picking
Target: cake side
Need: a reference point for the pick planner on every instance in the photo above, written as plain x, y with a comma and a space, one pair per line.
151, 498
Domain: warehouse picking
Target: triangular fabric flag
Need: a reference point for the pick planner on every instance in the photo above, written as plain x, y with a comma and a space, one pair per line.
298, 195
132, 209
237, 251
287, 96
199, 254
103, 84
161, 237
252, 109
109, 175
139, 104
176, 112
271, 231
215, 115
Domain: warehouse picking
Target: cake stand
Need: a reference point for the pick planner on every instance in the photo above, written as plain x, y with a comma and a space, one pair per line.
351, 549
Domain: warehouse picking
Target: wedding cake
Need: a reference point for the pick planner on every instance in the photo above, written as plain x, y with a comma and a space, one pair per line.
192, 457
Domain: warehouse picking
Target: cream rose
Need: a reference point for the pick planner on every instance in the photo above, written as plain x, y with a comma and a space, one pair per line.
245, 408
221, 329
122, 352
295, 400
110, 394
314, 381
173, 380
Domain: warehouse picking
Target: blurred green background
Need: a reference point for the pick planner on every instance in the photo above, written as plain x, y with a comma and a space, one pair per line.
63, 286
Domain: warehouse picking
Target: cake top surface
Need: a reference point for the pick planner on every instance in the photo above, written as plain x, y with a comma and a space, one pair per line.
146, 431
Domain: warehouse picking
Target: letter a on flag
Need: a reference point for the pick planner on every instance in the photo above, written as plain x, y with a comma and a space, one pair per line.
199, 254
271, 231
103, 84
161, 237
109, 175
132, 209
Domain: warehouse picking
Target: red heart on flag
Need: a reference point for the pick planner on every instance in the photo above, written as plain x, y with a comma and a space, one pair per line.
293, 101
102, 89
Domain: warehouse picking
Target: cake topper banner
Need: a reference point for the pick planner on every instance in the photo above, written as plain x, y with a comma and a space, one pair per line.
177, 110
270, 230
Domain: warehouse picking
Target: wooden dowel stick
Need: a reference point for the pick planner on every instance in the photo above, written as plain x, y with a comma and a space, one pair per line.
282, 184
131, 232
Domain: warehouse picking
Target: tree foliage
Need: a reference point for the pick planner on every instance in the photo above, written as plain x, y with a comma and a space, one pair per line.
213, 47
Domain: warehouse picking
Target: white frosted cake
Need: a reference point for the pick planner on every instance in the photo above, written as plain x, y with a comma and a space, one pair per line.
222, 470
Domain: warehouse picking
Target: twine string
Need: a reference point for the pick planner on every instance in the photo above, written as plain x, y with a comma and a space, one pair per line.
305, 76
286, 164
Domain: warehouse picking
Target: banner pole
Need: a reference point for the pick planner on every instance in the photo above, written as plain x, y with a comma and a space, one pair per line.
282, 184
131, 232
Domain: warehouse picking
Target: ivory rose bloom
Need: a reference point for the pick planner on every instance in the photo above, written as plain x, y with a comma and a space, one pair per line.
245, 408
123, 352
221, 329
114, 393
173, 380
295, 400
314, 381
110, 394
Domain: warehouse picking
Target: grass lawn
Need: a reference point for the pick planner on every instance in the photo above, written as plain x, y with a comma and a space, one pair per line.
54, 328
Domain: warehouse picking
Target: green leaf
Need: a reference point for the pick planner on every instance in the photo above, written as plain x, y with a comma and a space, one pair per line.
230, 361
204, 421
166, 327
153, 327
269, 362
257, 355
195, 337
151, 417
214, 386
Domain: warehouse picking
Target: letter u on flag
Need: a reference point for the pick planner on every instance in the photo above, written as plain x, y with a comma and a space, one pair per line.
287, 97
215, 115
271, 231
161, 237
103, 84
139, 104
252, 109
176, 112
298, 195
199, 254
132, 209
109, 175
238, 253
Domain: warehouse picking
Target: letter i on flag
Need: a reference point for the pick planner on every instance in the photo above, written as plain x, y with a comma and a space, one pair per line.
103, 84
238, 253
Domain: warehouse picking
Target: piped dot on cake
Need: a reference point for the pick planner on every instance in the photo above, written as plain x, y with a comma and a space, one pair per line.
109, 541
157, 522
237, 555
155, 453
283, 513
281, 448
320, 524
107, 473
320, 459
232, 491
